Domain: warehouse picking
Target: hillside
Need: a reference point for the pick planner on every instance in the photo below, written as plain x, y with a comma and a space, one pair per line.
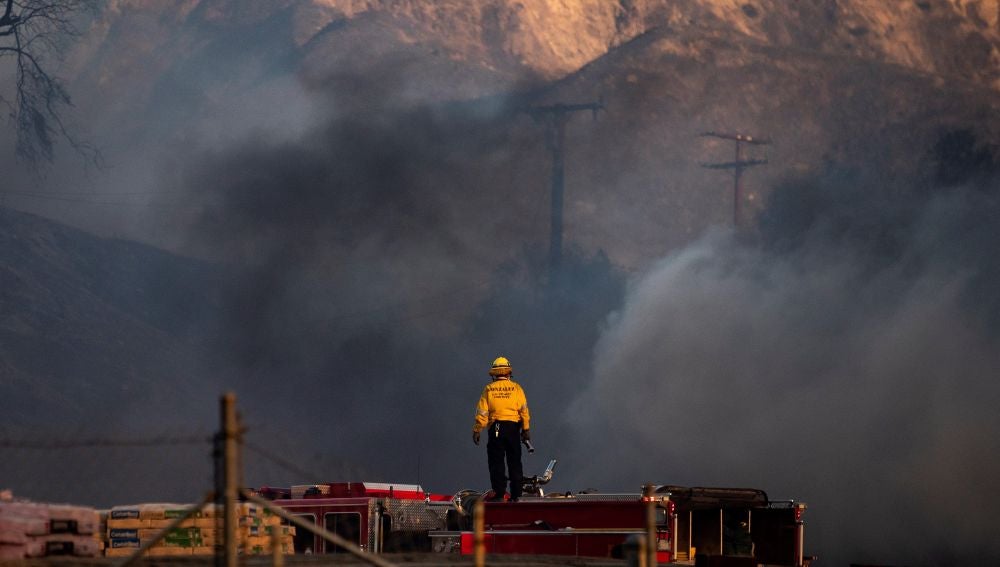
828, 81
820, 110
549, 39
95, 331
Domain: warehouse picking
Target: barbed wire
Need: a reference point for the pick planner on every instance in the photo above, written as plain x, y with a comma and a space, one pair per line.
48, 444
281, 462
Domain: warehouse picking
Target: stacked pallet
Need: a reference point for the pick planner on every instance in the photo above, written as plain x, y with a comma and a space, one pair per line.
132, 527
34, 529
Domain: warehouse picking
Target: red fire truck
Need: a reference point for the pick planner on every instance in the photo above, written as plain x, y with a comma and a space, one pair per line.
715, 527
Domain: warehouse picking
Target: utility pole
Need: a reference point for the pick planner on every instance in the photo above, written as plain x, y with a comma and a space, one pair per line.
230, 474
738, 165
649, 497
555, 117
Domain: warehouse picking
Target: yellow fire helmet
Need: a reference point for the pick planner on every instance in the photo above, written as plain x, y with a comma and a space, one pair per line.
501, 367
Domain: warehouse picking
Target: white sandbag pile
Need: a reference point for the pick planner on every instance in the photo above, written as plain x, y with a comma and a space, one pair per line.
33, 529
132, 527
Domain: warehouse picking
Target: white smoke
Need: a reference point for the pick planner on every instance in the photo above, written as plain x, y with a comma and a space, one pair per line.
869, 394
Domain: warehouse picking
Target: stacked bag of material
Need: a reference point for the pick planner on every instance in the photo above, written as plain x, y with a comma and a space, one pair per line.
131, 527
254, 532
34, 529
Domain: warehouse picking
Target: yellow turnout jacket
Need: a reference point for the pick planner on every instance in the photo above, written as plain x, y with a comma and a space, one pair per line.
502, 400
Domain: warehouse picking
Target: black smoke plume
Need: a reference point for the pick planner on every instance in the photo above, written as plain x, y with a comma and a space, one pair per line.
379, 265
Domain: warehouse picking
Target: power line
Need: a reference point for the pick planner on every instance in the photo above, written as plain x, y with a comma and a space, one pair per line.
281, 462
105, 442
402, 305
98, 193
63, 197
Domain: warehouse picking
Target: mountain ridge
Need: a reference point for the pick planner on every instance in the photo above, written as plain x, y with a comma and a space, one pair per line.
91, 324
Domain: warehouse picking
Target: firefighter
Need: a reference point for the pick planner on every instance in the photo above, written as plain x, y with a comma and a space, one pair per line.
502, 412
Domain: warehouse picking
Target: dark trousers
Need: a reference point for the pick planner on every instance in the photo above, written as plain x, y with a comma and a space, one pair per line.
504, 443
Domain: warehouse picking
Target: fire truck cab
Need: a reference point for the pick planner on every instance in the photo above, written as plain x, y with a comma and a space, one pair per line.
377, 517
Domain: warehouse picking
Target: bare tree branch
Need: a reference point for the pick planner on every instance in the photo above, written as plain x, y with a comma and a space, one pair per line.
33, 33
8, 18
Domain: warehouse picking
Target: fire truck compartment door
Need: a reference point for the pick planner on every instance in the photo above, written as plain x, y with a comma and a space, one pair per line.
774, 536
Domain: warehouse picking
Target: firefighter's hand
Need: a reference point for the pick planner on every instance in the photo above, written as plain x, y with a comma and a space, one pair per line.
525, 435
475, 437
